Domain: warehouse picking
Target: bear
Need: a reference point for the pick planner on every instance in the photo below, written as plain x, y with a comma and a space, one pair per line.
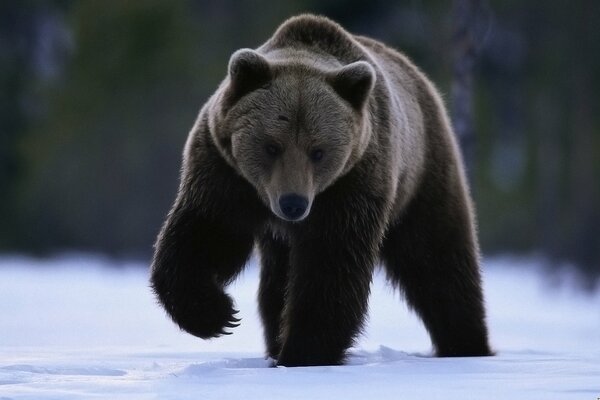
331, 154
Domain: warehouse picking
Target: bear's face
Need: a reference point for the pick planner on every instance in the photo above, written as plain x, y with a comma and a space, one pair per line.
290, 130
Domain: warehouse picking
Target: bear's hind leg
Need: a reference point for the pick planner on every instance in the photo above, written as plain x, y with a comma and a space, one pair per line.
275, 258
434, 261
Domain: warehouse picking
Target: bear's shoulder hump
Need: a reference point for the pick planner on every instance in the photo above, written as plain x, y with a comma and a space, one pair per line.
317, 33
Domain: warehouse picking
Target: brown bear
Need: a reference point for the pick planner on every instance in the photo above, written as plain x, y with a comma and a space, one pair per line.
332, 153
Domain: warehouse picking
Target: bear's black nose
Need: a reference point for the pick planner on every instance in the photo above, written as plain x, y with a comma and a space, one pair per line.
293, 205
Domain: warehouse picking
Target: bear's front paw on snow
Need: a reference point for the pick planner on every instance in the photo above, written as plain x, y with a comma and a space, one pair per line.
209, 316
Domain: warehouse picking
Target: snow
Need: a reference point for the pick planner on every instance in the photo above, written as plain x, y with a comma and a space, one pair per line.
77, 327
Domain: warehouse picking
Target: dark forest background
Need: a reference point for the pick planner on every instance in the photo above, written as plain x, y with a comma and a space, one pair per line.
97, 97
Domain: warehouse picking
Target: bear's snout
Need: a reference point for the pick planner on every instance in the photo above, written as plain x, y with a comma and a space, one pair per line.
293, 206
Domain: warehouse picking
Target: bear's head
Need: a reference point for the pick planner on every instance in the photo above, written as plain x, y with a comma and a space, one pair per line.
291, 128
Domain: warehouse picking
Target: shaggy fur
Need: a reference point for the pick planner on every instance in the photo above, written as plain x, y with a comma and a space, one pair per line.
358, 133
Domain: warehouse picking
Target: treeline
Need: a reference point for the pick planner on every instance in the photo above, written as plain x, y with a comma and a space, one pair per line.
96, 99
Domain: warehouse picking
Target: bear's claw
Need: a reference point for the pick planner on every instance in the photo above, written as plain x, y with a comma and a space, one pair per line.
207, 318
232, 325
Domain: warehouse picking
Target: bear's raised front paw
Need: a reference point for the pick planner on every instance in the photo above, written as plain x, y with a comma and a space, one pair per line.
208, 317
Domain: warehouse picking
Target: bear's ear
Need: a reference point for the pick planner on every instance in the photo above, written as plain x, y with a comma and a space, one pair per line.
248, 71
354, 83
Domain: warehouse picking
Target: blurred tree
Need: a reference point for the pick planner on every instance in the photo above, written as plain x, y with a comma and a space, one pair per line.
17, 25
583, 200
539, 161
105, 157
467, 40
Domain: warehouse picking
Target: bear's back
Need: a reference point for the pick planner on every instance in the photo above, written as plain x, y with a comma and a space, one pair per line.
317, 35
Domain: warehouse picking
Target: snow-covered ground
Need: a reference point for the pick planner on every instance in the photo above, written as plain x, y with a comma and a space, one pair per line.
79, 328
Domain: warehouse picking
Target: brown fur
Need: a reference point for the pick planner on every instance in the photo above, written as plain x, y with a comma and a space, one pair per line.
359, 132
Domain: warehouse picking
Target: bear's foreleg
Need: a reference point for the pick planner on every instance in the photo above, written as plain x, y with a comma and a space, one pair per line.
275, 260
332, 258
194, 259
327, 302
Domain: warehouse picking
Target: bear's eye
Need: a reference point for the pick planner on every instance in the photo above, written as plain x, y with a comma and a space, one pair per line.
272, 149
316, 155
